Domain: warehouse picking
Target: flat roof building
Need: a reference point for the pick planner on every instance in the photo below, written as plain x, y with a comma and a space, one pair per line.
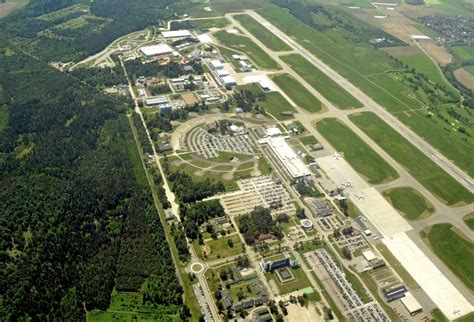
295, 167
156, 50
411, 304
176, 34
273, 131
228, 81
216, 64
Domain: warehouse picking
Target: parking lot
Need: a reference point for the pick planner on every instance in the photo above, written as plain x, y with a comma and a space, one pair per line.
210, 145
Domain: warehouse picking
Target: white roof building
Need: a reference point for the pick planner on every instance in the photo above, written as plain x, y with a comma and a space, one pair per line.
411, 304
273, 131
295, 167
176, 34
216, 64
228, 81
369, 255
222, 72
156, 50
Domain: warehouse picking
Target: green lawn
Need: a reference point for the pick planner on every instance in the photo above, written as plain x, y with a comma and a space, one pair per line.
248, 47
359, 155
366, 68
320, 82
454, 250
429, 174
261, 33
209, 23
424, 65
469, 220
308, 140
438, 316
463, 53
299, 283
300, 95
220, 249
469, 69
275, 103
409, 202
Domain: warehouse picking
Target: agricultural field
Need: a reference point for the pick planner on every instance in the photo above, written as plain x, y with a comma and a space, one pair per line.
463, 53
300, 95
429, 174
469, 69
248, 47
456, 251
463, 8
275, 104
360, 156
320, 82
409, 202
9, 6
261, 33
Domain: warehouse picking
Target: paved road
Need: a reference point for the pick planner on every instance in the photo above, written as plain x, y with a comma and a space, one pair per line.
447, 213
427, 149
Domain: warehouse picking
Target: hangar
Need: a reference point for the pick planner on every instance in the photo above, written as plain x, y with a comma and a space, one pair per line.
156, 50
176, 35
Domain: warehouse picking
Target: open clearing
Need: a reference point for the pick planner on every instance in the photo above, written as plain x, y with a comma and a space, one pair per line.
454, 250
320, 82
300, 95
308, 140
275, 104
360, 156
465, 76
11, 5
409, 202
248, 47
429, 174
214, 249
261, 33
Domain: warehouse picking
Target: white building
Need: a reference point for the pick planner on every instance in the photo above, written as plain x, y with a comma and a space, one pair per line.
157, 50
216, 64
295, 167
228, 81
176, 35
273, 131
411, 304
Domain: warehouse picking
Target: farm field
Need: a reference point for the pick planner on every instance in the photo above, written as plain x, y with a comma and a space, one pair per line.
9, 6
247, 46
366, 161
463, 53
261, 33
470, 69
320, 82
420, 166
297, 93
369, 69
409, 202
275, 103
453, 249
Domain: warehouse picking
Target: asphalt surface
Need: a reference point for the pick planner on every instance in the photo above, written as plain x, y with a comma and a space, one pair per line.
372, 106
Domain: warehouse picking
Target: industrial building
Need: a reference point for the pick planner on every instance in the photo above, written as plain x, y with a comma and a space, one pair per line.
162, 102
321, 208
272, 263
411, 304
394, 293
176, 35
294, 166
156, 50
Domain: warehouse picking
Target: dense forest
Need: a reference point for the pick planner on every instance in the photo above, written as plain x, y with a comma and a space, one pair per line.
197, 213
76, 218
258, 222
49, 36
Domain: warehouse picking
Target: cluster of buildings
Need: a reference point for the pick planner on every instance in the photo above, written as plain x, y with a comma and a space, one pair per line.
269, 264
222, 75
261, 298
291, 162
244, 65
455, 28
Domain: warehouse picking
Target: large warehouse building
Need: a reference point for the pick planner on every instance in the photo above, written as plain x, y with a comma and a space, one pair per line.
293, 164
176, 35
156, 50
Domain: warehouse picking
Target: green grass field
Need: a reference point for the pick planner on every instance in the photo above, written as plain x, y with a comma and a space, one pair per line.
469, 69
412, 204
300, 95
454, 250
320, 82
366, 67
261, 33
248, 47
308, 140
209, 23
299, 283
360, 156
463, 53
423, 64
275, 104
430, 175
218, 248
469, 220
